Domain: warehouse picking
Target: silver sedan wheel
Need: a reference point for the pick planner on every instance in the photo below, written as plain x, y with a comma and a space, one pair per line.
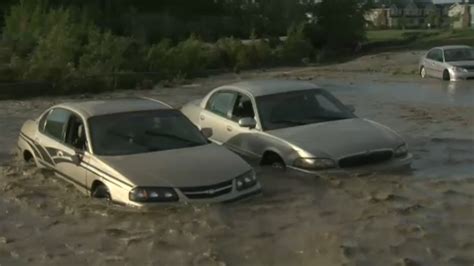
423, 72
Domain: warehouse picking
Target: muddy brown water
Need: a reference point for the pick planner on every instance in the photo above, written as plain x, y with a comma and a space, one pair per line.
421, 217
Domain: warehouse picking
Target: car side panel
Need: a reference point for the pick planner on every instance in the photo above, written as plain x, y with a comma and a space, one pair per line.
192, 110
220, 126
98, 171
59, 158
430, 67
27, 141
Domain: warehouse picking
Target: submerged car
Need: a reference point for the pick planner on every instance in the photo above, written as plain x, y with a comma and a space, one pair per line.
452, 62
297, 125
139, 152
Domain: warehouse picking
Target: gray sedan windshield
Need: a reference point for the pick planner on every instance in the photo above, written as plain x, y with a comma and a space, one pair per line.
141, 132
300, 108
459, 54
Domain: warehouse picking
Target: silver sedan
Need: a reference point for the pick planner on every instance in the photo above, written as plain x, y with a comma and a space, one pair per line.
296, 125
452, 62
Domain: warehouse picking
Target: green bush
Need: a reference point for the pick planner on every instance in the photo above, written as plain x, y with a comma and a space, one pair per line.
296, 47
63, 47
53, 57
189, 57
228, 52
158, 58
234, 54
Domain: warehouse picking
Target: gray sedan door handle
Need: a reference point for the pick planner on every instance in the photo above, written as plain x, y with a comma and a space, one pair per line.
229, 128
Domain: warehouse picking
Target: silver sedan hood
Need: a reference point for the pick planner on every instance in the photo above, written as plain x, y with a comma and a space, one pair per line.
189, 167
461, 63
340, 138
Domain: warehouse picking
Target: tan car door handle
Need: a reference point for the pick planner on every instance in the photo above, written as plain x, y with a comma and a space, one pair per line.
229, 128
201, 117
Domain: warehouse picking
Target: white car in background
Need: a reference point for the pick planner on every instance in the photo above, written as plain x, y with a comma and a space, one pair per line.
453, 62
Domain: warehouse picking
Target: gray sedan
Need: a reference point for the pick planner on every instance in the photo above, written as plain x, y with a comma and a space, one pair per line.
296, 125
452, 62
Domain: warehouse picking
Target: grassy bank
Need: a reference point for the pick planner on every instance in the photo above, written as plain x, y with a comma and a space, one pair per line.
416, 39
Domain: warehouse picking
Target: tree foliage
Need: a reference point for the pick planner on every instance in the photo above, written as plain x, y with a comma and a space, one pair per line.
339, 23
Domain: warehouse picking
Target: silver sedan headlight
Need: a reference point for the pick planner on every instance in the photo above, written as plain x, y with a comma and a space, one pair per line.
247, 180
401, 151
458, 69
153, 194
314, 163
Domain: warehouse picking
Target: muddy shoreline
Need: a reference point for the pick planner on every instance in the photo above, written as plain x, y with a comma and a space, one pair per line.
424, 216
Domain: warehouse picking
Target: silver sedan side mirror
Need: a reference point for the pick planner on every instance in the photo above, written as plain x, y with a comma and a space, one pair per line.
207, 132
247, 122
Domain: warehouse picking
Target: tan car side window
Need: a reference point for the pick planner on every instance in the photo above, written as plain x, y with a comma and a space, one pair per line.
75, 133
56, 122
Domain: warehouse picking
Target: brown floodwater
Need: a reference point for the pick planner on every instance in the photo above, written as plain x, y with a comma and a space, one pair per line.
424, 216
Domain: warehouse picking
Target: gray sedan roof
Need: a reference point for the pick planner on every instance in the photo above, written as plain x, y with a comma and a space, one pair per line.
103, 107
267, 87
447, 47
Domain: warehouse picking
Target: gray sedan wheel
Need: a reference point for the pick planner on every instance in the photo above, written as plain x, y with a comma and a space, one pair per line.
446, 75
423, 72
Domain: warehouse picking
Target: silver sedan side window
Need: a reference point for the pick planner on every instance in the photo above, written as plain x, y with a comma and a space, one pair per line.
436, 55
243, 108
221, 103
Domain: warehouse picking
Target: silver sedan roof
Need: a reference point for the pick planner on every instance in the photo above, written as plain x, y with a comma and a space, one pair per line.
447, 47
267, 87
103, 107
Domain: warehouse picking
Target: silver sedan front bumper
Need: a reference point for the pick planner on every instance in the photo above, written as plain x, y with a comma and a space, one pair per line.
391, 165
454, 75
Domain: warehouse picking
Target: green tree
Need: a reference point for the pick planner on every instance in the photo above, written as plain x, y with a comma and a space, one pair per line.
340, 23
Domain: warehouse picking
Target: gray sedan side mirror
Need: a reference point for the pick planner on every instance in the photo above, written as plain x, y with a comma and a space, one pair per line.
207, 132
351, 108
247, 122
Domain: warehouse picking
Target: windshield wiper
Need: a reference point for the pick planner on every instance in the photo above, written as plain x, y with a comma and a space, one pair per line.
322, 118
157, 134
293, 122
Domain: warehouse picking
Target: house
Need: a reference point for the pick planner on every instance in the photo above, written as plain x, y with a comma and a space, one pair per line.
462, 15
416, 14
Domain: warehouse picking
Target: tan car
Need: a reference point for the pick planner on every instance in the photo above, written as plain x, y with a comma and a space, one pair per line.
139, 152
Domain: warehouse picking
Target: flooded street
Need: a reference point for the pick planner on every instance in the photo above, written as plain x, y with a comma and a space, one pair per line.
424, 216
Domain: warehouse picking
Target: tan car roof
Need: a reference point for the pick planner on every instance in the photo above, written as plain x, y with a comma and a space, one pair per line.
267, 87
103, 107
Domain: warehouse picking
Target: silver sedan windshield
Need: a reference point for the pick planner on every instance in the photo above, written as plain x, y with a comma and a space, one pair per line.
300, 108
141, 132
459, 54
